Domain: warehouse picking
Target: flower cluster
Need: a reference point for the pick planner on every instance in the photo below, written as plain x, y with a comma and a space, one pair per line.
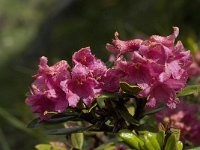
184, 118
56, 87
157, 65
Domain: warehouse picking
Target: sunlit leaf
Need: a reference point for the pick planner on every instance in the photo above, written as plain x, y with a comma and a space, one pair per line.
48, 147
77, 140
130, 89
43, 147
150, 140
189, 90
179, 145
171, 143
130, 138
106, 95
160, 136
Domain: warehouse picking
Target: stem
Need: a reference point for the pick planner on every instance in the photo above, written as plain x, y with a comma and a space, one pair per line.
140, 109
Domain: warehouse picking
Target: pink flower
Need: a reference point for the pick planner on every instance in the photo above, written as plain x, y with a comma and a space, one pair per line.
46, 93
194, 70
110, 81
184, 118
84, 56
157, 65
120, 47
81, 86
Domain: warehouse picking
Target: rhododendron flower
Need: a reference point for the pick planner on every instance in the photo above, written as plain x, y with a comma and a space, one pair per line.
96, 67
81, 86
154, 64
120, 47
46, 93
185, 118
110, 81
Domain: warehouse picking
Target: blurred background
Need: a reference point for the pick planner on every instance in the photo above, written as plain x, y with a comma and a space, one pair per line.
57, 28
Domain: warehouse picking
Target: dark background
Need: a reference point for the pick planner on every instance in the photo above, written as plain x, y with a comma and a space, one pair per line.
57, 28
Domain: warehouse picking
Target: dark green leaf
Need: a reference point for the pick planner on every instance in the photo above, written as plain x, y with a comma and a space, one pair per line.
34, 123
130, 89
190, 89
127, 117
61, 119
77, 140
100, 99
154, 110
65, 131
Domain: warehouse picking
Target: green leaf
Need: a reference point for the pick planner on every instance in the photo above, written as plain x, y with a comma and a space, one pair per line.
101, 103
65, 131
77, 140
171, 143
48, 147
106, 96
160, 136
179, 145
176, 132
154, 110
150, 139
127, 117
107, 146
60, 119
192, 44
130, 138
43, 147
189, 90
100, 99
130, 89
148, 145
34, 123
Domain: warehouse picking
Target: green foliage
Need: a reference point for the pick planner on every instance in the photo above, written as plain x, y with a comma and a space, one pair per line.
146, 140
65, 131
130, 89
77, 140
189, 90
48, 147
107, 146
